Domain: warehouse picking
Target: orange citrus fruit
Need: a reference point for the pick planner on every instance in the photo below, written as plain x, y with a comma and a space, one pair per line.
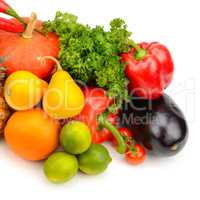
32, 134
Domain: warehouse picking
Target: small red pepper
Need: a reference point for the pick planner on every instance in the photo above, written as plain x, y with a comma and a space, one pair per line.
135, 154
127, 135
105, 133
11, 26
96, 102
149, 67
97, 99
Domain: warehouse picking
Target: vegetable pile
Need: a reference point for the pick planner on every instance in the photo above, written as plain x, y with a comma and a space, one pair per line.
70, 85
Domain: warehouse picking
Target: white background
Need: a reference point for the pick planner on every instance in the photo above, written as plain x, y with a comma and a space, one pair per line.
174, 23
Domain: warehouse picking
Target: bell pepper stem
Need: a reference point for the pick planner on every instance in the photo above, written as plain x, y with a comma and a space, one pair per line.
134, 45
108, 125
140, 53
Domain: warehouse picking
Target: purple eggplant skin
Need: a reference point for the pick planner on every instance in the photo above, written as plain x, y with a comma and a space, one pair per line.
159, 124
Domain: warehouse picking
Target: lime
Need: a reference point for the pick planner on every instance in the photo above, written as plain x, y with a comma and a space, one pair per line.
60, 167
95, 160
75, 137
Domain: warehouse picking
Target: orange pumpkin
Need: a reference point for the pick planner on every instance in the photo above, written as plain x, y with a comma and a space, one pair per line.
32, 134
21, 51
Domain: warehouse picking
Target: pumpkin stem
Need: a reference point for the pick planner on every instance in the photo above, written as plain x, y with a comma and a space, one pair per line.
28, 33
42, 58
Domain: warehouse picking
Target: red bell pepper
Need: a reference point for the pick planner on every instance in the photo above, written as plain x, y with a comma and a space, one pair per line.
149, 67
96, 102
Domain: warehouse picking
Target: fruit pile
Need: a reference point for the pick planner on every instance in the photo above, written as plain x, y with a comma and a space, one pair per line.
118, 96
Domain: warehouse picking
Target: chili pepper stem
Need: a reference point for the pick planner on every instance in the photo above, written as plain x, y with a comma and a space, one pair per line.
14, 14
140, 53
28, 33
106, 124
7, 9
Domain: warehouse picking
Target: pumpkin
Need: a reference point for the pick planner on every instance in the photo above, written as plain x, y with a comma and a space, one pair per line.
21, 51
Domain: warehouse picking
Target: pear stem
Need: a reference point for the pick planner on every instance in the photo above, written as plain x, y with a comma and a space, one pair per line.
59, 67
28, 33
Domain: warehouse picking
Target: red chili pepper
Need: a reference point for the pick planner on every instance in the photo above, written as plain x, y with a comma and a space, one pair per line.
10, 26
7, 9
149, 68
3, 6
7, 24
96, 102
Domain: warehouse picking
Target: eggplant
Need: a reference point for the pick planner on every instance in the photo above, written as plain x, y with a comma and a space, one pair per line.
159, 124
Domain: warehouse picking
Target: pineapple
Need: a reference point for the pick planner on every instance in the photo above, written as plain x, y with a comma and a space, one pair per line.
4, 109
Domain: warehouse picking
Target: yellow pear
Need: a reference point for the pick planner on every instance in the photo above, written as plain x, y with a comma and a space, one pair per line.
23, 90
63, 99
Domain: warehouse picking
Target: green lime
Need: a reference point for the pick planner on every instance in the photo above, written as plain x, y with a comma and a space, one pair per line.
60, 167
75, 137
95, 160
